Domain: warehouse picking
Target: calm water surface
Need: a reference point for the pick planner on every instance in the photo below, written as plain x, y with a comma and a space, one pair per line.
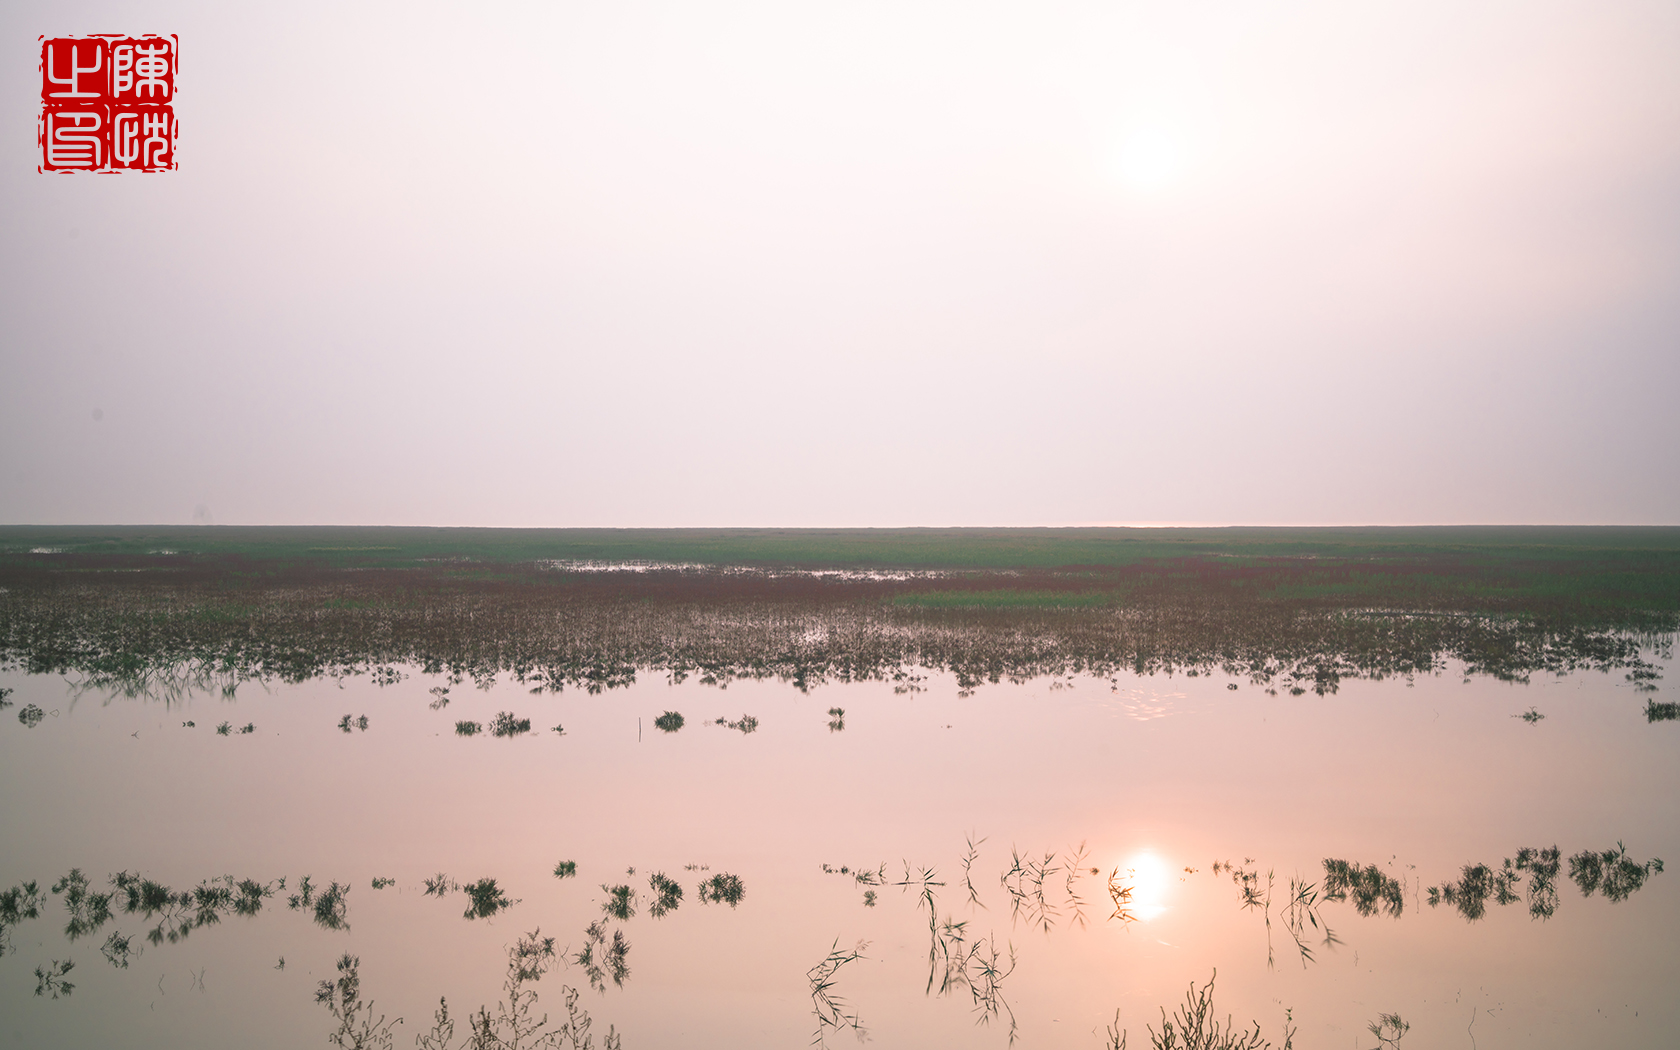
1151, 781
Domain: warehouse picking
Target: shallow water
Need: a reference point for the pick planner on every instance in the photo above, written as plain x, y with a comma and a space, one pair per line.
1158, 777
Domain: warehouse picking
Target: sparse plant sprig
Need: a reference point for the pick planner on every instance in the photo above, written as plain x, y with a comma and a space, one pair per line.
1389, 1030
357, 1027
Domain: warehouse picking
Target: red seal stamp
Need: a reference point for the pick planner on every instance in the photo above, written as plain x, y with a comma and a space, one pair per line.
108, 103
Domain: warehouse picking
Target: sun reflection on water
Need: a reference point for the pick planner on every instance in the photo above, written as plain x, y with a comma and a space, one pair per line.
1150, 879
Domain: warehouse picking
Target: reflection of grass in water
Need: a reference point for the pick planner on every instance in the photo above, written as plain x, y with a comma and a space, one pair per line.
506, 724
667, 895
1655, 712
18, 903
836, 719
1611, 871
1194, 1026
722, 888
88, 911
620, 902
1370, 887
467, 728
51, 979
565, 869
602, 959
831, 1010
485, 899
747, 723
118, 950
669, 722
329, 906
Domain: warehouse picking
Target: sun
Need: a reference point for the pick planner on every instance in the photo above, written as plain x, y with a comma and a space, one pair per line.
1149, 158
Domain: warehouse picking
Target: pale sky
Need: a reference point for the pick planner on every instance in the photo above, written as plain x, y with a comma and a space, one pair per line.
855, 263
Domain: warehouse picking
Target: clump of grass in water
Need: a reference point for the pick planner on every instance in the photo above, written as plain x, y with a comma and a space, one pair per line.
1655, 712
88, 911
248, 727
1371, 888
4, 703
667, 895
722, 888
836, 719
565, 869
440, 694
437, 887
349, 722
747, 723
486, 899
467, 728
1531, 716
506, 724
224, 729
620, 902
669, 722
31, 715
17, 904
330, 907
1611, 871
380, 883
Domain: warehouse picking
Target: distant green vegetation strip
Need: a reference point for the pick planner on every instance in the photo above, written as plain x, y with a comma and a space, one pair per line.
1634, 548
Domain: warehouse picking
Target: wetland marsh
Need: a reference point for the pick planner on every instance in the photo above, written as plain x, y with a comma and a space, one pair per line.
1352, 787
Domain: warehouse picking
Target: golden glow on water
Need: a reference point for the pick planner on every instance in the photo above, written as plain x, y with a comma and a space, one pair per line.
1151, 881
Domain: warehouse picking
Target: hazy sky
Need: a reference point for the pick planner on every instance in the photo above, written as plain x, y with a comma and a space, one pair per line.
857, 264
